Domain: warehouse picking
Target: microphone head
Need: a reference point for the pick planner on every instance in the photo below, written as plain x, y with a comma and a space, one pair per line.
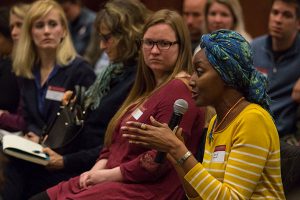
180, 106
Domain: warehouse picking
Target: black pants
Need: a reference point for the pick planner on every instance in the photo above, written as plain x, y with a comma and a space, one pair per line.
24, 179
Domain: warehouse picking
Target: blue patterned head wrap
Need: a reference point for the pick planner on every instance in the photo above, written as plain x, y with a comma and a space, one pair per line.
231, 56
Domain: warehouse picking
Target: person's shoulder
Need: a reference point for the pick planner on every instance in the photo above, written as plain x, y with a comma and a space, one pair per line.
80, 61
178, 83
259, 40
6, 65
255, 109
175, 89
88, 15
80, 65
298, 39
254, 113
129, 72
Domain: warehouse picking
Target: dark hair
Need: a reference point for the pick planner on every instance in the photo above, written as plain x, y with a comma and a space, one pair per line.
296, 2
4, 22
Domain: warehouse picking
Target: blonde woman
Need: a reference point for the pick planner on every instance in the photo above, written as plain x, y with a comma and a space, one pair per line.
10, 114
16, 18
47, 64
220, 14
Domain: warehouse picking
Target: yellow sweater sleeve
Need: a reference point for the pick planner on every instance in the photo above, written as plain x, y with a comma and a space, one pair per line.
251, 166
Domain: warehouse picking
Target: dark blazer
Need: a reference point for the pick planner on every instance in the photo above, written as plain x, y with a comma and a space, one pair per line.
36, 178
10, 93
10, 98
77, 72
26, 178
98, 119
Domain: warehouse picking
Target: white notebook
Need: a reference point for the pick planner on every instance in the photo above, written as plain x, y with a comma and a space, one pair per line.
25, 149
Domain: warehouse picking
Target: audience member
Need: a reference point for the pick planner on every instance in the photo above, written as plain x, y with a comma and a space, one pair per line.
242, 157
126, 171
276, 56
47, 64
81, 21
10, 97
220, 14
118, 38
290, 163
11, 118
16, 18
193, 15
95, 56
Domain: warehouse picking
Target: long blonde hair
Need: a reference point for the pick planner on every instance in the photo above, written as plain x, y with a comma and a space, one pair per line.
26, 55
145, 82
20, 9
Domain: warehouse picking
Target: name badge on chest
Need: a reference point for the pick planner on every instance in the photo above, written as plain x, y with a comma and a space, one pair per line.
137, 114
219, 154
55, 93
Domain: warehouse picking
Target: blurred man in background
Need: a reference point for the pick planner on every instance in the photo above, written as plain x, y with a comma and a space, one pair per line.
193, 14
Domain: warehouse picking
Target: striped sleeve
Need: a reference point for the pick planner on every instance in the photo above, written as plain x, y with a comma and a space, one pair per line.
251, 168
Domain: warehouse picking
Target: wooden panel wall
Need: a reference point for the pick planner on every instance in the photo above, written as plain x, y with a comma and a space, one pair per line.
255, 11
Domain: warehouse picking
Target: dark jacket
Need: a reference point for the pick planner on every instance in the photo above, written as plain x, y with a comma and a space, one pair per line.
9, 88
98, 119
9, 98
77, 72
26, 179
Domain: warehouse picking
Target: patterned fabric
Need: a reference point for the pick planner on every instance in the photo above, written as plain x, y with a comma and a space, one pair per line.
231, 56
101, 86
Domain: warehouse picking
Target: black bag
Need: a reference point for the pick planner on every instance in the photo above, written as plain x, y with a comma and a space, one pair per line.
67, 125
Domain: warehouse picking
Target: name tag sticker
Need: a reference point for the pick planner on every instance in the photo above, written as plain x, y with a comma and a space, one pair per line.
55, 93
219, 154
137, 114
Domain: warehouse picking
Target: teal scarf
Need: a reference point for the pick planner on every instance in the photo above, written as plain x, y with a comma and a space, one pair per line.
101, 86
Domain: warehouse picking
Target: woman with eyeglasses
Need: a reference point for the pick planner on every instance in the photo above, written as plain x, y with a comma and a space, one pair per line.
128, 171
119, 25
242, 149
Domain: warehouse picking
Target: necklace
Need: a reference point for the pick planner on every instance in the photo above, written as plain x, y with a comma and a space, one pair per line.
214, 128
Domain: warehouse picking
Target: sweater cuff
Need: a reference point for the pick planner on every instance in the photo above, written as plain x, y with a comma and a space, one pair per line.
191, 174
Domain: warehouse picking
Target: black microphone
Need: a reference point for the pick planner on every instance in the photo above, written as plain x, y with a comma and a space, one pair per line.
179, 108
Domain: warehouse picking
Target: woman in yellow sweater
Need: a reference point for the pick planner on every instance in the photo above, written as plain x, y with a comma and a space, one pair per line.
242, 151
